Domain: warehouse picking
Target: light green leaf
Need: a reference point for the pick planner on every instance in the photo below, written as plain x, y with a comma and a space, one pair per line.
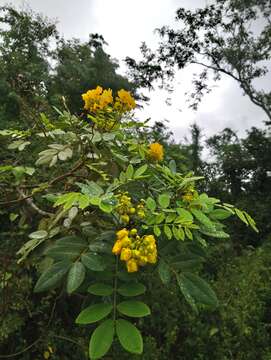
156, 230
76, 276
220, 214
184, 216
40, 234
130, 171
131, 289
133, 308
164, 200
241, 216
101, 339
52, 276
201, 217
140, 171
151, 204
100, 289
167, 231
94, 313
129, 336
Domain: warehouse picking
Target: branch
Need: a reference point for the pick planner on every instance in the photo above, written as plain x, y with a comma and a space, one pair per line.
30, 202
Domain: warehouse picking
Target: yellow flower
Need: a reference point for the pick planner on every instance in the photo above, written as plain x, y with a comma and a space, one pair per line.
117, 247
125, 101
122, 233
125, 254
132, 265
152, 258
106, 98
188, 197
156, 151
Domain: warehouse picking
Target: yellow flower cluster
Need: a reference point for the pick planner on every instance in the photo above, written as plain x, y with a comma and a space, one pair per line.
156, 151
190, 195
101, 99
135, 250
126, 208
124, 101
97, 99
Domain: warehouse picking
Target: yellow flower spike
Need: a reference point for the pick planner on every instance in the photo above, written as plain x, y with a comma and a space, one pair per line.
132, 265
125, 254
122, 233
117, 247
126, 241
156, 151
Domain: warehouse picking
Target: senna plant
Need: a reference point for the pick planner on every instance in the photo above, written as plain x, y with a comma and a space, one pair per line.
112, 207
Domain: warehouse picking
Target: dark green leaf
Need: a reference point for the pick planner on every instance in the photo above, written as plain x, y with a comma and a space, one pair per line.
131, 289
129, 336
101, 339
100, 289
133, 308
75, 277
196, 290
52, 276
93, 262
94, 313
164, 272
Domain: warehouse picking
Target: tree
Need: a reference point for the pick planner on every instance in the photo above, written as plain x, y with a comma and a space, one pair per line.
224, 38
80, 66
24, 64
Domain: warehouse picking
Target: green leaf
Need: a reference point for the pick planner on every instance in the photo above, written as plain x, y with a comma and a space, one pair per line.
100, 289
167, 231
94, 313
130, 171
40, 234
52, 276
164, 200
62, 251
216, 234
93, 262
151, 204
140, 171
196, 290
156, 230
75, 277
220, 214
241, 216
129, 336
164, 272
184, 216
133, 308
105, 207
131, 289
201, 217
101, 339
188, 233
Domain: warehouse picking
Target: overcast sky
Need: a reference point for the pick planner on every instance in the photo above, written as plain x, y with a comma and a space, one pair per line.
125, 24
